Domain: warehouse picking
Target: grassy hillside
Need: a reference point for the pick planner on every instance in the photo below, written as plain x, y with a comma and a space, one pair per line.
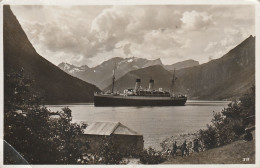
233, 153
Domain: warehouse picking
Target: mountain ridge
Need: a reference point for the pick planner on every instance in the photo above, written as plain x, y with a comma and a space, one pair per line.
56, 85
223, 78
101, 74
180, 65
162, 78
232, 74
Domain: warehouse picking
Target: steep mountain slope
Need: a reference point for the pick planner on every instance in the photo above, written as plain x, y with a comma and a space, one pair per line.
180, 65
223, 78
56, 85
226, 77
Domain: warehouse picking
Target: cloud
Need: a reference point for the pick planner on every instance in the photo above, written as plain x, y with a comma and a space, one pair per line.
196, 20
127, 50
210, 46
231, 37
91, 34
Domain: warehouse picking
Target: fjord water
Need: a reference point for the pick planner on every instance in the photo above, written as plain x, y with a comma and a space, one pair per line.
154, 123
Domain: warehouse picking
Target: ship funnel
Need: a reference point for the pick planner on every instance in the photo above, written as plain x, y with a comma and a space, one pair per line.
151, 83
137, 84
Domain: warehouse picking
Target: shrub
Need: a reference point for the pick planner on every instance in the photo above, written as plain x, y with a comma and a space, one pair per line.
151, 156
39, 135
40, 138
108, 153
209, 137
229, 124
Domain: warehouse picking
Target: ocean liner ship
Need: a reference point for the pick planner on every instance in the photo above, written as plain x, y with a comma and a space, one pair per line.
139, 96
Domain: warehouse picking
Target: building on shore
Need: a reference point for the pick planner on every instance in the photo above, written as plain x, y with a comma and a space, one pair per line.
126, 140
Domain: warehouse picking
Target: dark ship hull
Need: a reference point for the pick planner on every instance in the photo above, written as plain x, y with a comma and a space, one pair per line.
121, 100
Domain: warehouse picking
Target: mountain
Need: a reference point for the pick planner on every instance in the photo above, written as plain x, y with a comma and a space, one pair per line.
162, 78
224, 78
101, 75
183, 64
56, 85
153, 62
71, 69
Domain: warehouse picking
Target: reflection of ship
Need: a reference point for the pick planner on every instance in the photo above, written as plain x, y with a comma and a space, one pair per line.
140, 97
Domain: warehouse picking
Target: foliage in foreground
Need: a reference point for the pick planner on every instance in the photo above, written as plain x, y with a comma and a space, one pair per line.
42, 136
107, 153
151, 156
229, 124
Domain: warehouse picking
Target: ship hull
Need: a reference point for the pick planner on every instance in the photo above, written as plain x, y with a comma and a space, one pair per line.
109, 100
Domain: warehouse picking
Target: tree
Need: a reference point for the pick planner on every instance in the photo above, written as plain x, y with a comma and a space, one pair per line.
19, 92
108, 153
243, 110
229, 124
41, 136
209, 137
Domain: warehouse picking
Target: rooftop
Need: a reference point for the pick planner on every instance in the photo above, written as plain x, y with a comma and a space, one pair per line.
108, 128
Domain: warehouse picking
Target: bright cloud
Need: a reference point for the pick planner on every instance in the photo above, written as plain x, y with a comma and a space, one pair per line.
196, 20
91, 34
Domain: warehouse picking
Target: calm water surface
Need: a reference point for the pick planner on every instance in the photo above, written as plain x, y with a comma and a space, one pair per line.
154, 123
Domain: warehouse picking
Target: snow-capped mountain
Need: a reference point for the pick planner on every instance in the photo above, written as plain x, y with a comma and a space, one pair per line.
72, 68
101, 75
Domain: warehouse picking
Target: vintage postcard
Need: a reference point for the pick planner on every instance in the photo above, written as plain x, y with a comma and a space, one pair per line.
129, 83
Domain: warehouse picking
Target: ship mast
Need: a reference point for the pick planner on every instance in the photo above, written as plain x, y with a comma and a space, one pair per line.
174, 78
113, 78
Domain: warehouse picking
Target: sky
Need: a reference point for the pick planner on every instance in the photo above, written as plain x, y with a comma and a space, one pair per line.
89, 35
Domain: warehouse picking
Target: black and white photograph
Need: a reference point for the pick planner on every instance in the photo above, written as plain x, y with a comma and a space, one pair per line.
129, 84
